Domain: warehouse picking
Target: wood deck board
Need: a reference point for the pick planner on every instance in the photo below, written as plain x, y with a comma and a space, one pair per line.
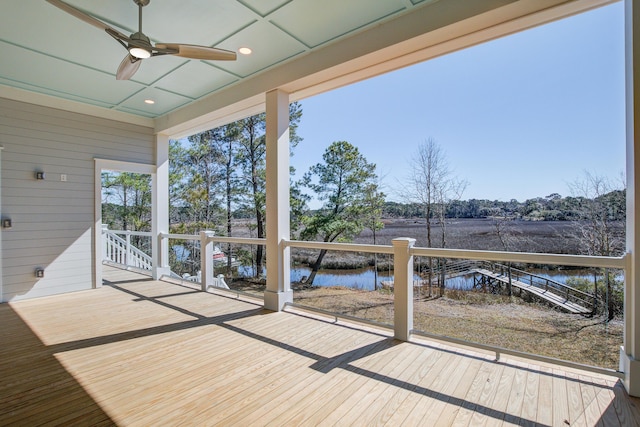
331, 384
575, 401
425, 375
446, 383
403, 364
450, 411
560, 399
144, 352
487, 396
546, 406
516, 395
344, 383
278, 392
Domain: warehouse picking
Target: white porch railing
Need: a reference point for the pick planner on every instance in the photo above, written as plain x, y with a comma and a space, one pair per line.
120, 250
205, 276
206, 238
403, 252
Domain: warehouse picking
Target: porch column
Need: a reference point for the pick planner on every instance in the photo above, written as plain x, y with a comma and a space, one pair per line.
402, 288
630, 352
1, 254
278, 290
160, 208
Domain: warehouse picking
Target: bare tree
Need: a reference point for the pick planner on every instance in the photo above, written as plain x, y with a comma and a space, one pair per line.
600, 226
601, 212
502, 225
432, 185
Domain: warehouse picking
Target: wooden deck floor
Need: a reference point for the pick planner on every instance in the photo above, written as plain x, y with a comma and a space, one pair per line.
143, 352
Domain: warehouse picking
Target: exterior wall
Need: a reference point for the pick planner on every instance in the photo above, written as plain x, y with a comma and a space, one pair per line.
52, 220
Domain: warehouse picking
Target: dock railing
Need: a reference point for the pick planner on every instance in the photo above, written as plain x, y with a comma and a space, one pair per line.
569, 293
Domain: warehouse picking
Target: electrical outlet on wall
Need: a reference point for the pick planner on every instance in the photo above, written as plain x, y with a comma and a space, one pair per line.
63, 177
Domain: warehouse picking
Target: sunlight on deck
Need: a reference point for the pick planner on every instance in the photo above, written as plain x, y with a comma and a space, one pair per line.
144, 352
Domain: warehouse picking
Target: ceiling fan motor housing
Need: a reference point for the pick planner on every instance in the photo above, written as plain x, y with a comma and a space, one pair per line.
141, 2
141, 39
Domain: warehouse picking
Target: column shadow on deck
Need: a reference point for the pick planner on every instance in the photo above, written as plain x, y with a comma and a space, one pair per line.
36, 389
322, 364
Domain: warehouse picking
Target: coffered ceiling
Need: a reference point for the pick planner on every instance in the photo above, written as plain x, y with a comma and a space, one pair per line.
48, 51
303, 47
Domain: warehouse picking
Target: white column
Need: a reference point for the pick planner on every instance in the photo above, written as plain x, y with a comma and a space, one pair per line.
160, 208
2, 299
630, 352
278, 290
402, 287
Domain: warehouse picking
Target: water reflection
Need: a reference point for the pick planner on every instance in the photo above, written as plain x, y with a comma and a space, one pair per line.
364, 278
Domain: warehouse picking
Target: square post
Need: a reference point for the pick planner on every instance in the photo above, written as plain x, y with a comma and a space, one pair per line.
127, 252
278, 290
630, 351
160, 208
206, 260
402, 287
105, 243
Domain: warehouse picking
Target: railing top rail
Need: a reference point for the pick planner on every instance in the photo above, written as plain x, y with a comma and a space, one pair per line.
239, 240
180, 236
332, 246
115, 238
524, 257
129, 232
219, 239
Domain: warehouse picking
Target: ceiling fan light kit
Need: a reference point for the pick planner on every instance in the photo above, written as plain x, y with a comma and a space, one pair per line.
138, 50
139, 46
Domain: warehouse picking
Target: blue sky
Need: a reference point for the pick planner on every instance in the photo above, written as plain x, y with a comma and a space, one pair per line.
518, 117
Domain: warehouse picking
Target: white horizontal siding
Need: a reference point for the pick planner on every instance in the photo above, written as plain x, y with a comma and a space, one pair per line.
52, 220
20, 256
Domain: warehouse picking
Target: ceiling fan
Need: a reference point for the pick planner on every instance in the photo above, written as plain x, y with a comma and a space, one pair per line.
139, 45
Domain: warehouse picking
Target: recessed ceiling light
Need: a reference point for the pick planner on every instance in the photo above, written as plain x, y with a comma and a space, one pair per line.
245, 50
149, 101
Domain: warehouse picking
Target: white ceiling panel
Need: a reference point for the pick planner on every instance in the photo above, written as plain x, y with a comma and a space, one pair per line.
269, 44
54, 53
195, 78
264, 7
191, 21
153, 69
63, 77
164, 102
50, 31
316, 22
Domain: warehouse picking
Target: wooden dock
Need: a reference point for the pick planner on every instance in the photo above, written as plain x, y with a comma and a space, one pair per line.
544, 294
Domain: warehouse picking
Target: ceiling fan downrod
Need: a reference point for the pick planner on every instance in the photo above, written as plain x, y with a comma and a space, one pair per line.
141, 4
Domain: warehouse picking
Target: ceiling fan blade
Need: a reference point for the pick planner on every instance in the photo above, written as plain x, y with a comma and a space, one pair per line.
88, 19
128, 67
198, 52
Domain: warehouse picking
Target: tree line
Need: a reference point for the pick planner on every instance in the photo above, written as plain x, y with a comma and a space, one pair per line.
218, 177
553, 207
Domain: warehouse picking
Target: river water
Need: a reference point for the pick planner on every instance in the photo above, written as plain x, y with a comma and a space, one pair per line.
364, 278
